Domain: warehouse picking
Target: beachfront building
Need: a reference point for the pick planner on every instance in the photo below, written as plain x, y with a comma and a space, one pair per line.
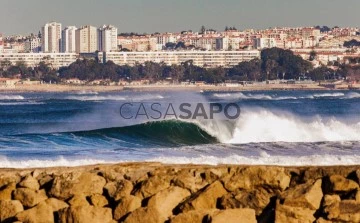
55, 60
107, 38
51, 37
86, 39
68, 40
261, 43
33, 45
199, 58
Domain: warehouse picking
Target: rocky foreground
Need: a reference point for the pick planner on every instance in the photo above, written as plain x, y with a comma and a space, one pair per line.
154, 192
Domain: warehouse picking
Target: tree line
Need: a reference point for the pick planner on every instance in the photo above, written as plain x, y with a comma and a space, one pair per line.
273, 64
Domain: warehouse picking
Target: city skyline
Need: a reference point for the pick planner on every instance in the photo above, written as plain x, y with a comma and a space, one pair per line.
139, 16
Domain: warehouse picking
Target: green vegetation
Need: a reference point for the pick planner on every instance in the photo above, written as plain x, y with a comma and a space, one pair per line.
42, 72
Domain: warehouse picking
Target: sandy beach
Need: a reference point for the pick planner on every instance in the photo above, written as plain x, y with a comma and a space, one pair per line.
154, 192
98, 88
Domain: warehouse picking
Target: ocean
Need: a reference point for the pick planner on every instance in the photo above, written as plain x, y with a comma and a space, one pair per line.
287, 128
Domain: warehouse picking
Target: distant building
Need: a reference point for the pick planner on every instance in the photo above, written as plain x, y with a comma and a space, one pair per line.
55, 60
107, 38
222, 43
261, 43
86, 39
68, 40
33, 45
51, 37
199, 58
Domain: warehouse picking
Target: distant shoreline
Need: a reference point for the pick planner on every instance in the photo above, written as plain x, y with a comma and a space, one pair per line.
98, 88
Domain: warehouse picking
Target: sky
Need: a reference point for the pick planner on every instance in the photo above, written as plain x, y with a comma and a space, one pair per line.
27, 16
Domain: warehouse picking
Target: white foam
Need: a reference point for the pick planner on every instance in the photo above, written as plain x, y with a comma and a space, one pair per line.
114, 97
11, 97
85, 92
251, 96
267, 126
264, 159
96, 98
352, 95
21, 103
240, 95
41, 163
146, 97
338, 94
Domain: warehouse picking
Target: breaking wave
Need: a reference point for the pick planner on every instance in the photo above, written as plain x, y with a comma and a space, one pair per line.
112, 97
260, 96
11, 97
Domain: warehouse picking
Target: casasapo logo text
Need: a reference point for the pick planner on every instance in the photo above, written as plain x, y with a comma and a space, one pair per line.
156, 111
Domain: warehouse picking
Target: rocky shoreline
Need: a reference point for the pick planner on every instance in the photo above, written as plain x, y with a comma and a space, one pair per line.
154, 192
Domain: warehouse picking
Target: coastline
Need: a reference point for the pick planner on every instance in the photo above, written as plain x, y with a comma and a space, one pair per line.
155, 192
98, 88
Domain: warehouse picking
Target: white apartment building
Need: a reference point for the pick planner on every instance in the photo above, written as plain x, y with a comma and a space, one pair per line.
33, 45
56, 60
199, 58
163, 39
68, 40
51, 37
229, 43
86, 39
261, 43
222, 43
107, 38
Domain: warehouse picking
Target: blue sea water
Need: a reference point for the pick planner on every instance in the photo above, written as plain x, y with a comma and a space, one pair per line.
274, 127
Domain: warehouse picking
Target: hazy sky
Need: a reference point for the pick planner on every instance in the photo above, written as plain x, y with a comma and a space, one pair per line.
26, 16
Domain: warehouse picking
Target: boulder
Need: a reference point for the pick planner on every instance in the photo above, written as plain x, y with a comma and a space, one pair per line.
88, 214
8, 178
29, 197
205, 198
250, 177
190, 180
112, 175
160, 206
98, 200
143, 215
44, 179
257, 199
196, 216
341, 184
166, 200
323, 220
234, 216
117, 190
126, 205
6, 192
42, 213
331, 206
152, 185
288, 214
349, 211
341, 211
8, 209
30, 182
78, 200
308, 195
56, 204
68, 184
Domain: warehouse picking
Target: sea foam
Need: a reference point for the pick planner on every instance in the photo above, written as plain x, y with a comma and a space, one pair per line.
11, 97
